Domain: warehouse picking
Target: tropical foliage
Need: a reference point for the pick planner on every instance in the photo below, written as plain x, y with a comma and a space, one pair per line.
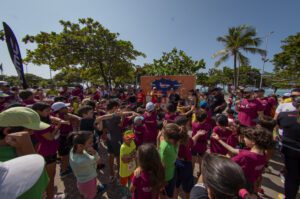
238, 40
89, 48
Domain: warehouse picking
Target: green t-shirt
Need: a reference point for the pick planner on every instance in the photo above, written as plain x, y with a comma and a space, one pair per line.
37, 190
126, 169
168, 155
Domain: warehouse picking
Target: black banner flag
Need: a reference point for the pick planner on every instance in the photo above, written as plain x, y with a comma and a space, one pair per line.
15, 54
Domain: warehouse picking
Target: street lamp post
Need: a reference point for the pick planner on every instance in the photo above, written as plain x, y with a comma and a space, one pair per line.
264, 59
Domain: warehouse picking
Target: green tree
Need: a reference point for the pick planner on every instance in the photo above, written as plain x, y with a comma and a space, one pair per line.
176, 62
287, 62
86, 45
32, 80
238, 39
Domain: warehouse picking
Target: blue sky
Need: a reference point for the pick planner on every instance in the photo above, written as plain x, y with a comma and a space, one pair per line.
156, 26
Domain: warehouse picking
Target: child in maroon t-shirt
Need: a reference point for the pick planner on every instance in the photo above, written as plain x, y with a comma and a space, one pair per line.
200, 130
148, 178
150, 120
252, 161
224, 133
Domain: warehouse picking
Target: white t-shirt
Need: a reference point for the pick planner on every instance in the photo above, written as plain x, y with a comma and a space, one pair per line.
285, 107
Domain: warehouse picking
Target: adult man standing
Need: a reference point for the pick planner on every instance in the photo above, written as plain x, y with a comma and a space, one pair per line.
290, 123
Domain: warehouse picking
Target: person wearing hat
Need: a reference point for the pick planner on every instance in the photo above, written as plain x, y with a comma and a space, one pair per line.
19, 177
60, 110
290, 123
249, 109
16, 125
127, 161
288, 105
150, 120
139, 130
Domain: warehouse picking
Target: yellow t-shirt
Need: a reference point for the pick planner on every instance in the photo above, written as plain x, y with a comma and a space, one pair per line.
52, 93
126, 169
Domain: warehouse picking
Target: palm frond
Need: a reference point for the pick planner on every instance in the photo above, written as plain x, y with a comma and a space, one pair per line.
220, 53
222, 59
255, 51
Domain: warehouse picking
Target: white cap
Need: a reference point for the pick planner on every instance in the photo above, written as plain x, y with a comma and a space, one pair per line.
137, 119
150, 107
287, 94
59, 105
3, 83
20, 174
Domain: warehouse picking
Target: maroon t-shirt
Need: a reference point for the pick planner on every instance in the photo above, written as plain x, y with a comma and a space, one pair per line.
170, 117
28, 102
46, 147
150, 120
185, 151
248, 111
201, 144
223, 134
142, 187
139, 132
251, 163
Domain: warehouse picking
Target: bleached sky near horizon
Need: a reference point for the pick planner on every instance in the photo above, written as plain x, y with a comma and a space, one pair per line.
156, 26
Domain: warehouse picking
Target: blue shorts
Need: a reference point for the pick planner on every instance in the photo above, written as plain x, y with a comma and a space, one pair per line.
184, 173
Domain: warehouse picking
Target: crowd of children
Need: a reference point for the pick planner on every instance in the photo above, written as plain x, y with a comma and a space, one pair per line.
159, 147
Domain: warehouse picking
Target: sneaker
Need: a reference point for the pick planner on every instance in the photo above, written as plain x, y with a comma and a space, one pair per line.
282, 178
59, 196
65, 173
101, 188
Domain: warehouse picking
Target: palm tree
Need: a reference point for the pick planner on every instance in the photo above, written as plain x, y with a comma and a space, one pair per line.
241, 38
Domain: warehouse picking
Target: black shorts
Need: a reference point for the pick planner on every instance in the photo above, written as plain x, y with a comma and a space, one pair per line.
50, 159
184, 174
194, 153
169, 188
113, 147
63, 146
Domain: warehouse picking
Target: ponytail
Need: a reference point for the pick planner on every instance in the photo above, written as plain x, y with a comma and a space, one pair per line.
79, 137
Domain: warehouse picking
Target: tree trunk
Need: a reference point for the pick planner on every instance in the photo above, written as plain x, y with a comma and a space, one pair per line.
235, 71
103, 74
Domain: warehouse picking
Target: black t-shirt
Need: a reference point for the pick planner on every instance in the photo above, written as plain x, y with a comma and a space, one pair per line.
174, 98
132, 99
291, 129
214, 101
87, 124
199, 192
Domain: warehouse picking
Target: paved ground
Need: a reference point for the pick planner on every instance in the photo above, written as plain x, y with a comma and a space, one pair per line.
271, 181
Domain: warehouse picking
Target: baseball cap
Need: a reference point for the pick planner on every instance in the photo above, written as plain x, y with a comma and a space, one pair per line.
286, 95
18, 175
150, 107
248, 90
3, 83
203, 104
59, 105
128, 135
22, 116
3, 94
137, 119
